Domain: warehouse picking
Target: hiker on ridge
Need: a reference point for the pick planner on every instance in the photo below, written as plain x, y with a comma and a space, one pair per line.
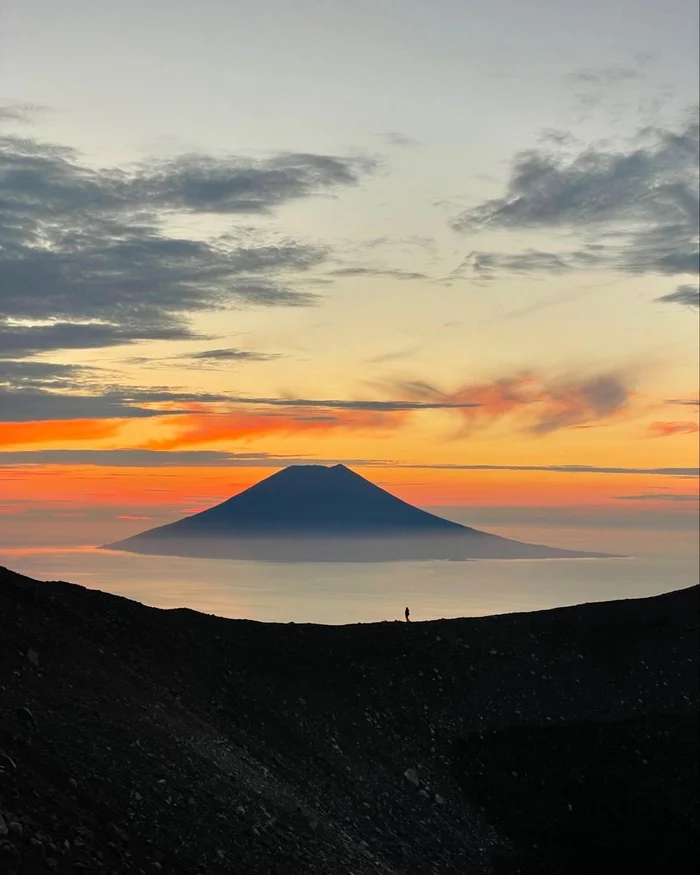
407, 615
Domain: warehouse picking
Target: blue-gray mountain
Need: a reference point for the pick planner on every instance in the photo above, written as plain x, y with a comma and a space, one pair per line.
317, 513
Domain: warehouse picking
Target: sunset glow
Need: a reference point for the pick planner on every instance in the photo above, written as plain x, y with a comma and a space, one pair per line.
473, 292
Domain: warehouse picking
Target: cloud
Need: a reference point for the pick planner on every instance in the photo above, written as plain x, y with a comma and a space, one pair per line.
38, 374
373, 273
395, 355
366, 405
294, 416
31, 408
635, 207
33, 405
86, 259
201, 183
604, 77
152, 458
596, 84
127, 458
684, 402
664, 496
134, 458
396, 138
230, 355
19, 112
33, 391
667, 429
686, 295
531, 262
206, 358
37, 391
542, 403
197, 429
565, 469
18, 340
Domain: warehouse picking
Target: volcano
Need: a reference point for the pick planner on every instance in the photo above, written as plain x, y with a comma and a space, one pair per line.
318, 513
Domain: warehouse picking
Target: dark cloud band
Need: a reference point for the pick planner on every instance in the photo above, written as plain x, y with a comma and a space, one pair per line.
635, 208
138, 458
86, 262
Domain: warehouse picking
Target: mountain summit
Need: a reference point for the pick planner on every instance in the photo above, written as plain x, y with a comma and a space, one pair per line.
313, 500
313, 512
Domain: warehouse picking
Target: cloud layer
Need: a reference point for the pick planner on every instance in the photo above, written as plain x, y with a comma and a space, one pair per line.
86, 259
37, 391
634, 207
660, 496
151, 458
566, 469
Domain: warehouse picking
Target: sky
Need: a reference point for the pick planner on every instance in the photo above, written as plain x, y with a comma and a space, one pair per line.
453, 245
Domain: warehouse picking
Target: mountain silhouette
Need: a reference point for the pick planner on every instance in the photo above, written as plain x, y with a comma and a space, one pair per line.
318, 513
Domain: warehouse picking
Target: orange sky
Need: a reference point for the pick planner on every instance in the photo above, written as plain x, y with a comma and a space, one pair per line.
520, 422
185, 488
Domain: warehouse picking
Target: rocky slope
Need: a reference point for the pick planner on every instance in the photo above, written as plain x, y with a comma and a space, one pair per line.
134, 740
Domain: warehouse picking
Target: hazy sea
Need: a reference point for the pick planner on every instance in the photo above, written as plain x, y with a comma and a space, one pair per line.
658, 561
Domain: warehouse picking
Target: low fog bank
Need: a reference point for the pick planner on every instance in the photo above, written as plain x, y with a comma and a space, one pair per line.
405, 548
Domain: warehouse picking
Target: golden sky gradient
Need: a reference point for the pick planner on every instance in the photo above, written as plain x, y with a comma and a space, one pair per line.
462, 263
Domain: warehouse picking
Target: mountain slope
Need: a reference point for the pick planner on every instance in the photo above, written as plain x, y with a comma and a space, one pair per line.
312, 499
136, 740
310, 512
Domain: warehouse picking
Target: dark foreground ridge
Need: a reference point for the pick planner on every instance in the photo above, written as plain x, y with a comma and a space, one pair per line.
315, 513
136, 740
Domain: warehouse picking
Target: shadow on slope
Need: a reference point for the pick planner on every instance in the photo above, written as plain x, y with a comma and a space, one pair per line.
593, 797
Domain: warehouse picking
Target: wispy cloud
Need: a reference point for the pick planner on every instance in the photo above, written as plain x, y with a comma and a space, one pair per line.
379, 406
33, 391
20, 112
396, 138
594, 86
395, 355
377, 272
538, 403
605, 77
659, 496
172, 458
684, 402
230, 355
139, 458
566, 469
668, 429
202, 429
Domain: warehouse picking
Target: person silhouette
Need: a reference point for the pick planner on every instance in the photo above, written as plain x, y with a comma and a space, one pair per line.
407, 615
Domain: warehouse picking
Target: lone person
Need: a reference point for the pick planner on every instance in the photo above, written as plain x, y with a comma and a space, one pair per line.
407, 615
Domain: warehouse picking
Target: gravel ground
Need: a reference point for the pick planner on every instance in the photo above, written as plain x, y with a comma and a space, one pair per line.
137, 740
